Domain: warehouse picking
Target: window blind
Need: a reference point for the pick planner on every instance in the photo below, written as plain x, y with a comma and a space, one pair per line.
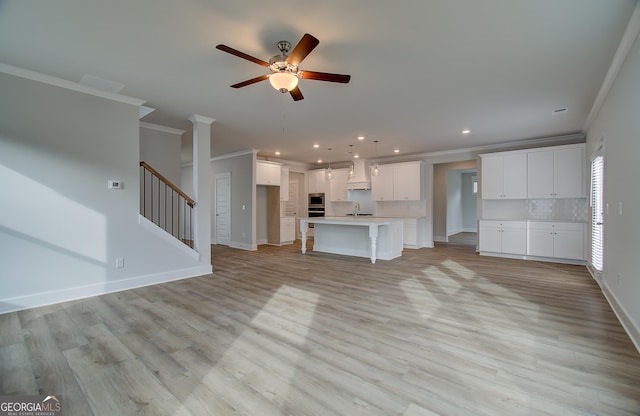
597, 213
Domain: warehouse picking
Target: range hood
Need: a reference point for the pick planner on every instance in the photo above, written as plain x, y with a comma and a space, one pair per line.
361, 178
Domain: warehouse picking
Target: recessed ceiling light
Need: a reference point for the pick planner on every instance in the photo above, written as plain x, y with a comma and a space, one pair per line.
361, 138
466, 131
277, 153
319, 160
315, 146
356, 156
396, 150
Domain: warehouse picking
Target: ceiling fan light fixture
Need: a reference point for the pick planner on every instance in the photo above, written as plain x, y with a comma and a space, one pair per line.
283, 81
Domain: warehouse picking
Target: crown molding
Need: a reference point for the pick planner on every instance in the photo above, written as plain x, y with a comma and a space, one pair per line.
630, 35
521, 144
66, 84
164, 129
195, 118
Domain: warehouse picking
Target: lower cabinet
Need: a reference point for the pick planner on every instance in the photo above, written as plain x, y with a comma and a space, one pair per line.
563, 240
508, 237
287, 230
558, 241
413, 232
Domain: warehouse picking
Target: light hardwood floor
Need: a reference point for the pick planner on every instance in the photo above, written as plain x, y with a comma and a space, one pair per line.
438, 331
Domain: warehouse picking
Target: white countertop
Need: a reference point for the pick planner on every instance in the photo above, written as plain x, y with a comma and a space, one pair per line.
363, 220
535, 220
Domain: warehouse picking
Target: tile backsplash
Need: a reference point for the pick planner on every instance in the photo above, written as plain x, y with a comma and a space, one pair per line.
564, 209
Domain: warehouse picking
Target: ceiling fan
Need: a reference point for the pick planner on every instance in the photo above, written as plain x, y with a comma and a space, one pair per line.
285, 71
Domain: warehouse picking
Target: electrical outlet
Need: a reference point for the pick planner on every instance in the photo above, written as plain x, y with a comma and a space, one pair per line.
119, 262
619, 208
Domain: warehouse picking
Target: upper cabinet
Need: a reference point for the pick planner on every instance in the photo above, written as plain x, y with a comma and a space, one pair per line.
338, 185
284, 183
268, 173
316, 181
397, 182
504, 176
407, 184
382, 184
556, 173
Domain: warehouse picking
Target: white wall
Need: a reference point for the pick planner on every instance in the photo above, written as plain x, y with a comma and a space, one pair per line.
243, 193
469, 203
61, 229
454, 202
619, 122
162, 150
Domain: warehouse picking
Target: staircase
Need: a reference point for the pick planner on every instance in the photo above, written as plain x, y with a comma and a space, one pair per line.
166, 205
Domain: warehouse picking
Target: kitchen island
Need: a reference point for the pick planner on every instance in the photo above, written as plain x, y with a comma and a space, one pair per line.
375, 238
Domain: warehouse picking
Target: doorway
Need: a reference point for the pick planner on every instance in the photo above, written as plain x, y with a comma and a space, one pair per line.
223, 203
455, 202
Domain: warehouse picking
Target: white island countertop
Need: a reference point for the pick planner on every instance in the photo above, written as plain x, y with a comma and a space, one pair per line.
362, 236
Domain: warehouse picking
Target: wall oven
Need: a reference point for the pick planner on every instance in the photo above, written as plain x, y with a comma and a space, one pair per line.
316, 206
316, 201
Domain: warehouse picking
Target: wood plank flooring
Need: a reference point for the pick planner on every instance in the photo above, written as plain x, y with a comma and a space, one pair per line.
438, 331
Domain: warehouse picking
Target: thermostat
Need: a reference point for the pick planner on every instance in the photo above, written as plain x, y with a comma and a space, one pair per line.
114, 184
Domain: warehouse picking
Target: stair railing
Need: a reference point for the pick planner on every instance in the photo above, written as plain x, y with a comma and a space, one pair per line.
166, 205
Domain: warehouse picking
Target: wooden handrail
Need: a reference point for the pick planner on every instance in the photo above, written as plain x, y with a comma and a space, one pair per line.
189, 201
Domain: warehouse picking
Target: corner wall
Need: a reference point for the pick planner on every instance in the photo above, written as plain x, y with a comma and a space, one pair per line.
619, 124
61, 229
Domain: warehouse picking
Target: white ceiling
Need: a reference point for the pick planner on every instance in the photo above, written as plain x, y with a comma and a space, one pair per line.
422, 70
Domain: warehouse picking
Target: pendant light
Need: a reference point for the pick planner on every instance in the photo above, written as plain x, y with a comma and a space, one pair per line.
329, 171
351, 167
376, 170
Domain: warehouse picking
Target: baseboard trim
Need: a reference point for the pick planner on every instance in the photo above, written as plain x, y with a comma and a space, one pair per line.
243, 246
625, 319
66, 295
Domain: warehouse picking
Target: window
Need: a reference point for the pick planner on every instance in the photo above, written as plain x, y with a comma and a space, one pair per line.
474, 181
597, 213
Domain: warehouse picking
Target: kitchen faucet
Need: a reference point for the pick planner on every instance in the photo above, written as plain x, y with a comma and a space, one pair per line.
356, 209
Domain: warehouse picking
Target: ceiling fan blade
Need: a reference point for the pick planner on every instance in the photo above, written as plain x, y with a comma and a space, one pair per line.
242, 55
302, 49
296, 94
250, 81
323, 76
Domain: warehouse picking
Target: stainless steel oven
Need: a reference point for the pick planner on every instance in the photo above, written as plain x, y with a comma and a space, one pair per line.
316, 206
316, 200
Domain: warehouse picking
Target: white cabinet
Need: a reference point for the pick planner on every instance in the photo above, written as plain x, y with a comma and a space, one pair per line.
562, 240
338, 185
406, 182
316, 181
267, 173
397, 182
382, 184
504, 176
284, 183
287, 230
413, 232
556, 173
509, 237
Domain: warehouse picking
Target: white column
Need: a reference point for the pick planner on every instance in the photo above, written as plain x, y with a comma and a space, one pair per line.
202, 185
373, 235
304, 227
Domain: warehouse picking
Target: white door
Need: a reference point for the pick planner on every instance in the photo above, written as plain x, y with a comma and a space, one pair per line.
223, 205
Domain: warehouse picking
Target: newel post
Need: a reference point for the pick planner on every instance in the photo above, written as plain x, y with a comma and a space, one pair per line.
202, 185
